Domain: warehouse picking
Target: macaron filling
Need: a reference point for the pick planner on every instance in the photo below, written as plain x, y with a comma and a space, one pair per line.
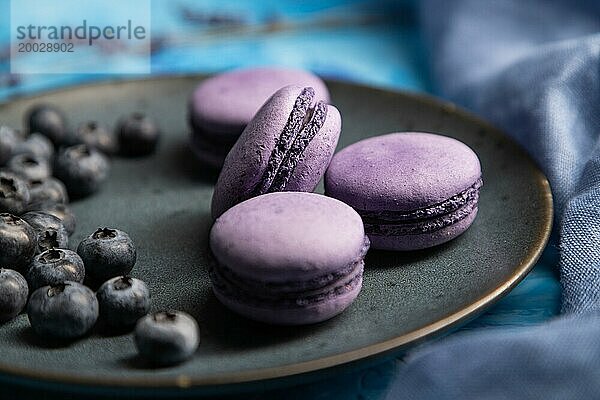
303, 124
289, 294
232, 289
424, 220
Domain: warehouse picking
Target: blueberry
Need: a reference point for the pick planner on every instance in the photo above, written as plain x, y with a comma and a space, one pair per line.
13, 294
9, 140
123, 300
97, 136
60, 211
47, 120
47, 190
107, 253
18, 242
167, 337
14, 193
65, 311
53, 267
138, 135
50, 231
81, 169
30, 167
37, 145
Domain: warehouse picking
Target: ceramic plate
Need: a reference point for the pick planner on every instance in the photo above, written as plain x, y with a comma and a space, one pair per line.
163, 203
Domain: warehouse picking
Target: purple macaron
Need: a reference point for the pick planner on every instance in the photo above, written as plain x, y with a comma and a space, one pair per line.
286, 147
288, 258
413, 190
221, 106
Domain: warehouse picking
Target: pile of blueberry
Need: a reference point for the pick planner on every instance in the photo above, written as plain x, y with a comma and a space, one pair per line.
39, 274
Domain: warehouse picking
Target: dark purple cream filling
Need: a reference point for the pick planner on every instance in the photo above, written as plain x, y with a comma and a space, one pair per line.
292, 293
424, 220
302, 126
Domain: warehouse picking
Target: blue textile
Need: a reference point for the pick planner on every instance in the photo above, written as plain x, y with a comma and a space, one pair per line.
533, 68
556, 360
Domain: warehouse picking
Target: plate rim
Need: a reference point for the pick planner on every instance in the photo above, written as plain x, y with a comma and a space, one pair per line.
186, 381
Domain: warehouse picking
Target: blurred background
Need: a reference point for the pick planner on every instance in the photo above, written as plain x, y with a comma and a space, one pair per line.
373, 42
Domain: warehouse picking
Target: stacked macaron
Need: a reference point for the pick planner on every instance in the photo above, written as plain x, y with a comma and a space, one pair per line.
284, 255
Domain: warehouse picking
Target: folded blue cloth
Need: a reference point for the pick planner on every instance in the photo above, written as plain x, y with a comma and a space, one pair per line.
533, 68
556, 360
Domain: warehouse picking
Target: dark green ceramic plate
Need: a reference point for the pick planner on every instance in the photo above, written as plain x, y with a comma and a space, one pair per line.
163, 202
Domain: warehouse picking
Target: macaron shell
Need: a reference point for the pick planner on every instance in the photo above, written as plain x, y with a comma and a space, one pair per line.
247, 161
317, 155
224, 104
422, 241
244, 165
293, 316
288, 236
401, 171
